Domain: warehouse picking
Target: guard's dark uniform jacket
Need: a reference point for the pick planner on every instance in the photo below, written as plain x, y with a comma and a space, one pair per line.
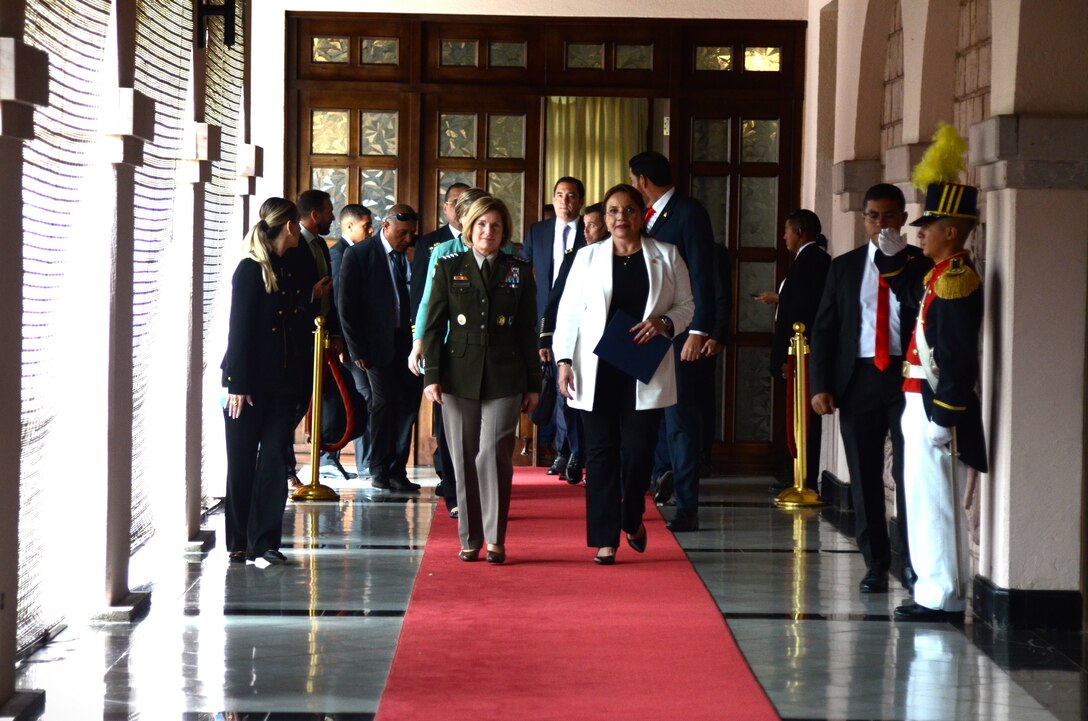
490, 351
948, 299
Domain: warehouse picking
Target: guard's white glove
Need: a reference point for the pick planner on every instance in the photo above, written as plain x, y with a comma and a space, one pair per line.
938, 435
890, 241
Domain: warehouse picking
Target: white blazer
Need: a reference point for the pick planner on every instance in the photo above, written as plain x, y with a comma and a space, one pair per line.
583, 311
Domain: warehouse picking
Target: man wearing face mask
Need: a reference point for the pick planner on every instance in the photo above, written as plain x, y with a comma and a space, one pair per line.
375, 311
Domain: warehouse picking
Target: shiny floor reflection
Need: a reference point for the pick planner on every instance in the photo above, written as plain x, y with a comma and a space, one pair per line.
315, 639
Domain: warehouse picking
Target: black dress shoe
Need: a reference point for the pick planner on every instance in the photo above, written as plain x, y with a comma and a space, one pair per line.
683, 522
604, 560
380, 483
573, 472
907, 577
558, 466
916, 612
469, 554
663, 488
496, 556
874, 582
237, 556
639, 544
403, 485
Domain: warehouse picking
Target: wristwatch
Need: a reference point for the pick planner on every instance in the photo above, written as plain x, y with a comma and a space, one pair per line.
668, 324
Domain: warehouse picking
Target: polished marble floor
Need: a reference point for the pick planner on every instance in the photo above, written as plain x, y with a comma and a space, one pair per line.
314, 639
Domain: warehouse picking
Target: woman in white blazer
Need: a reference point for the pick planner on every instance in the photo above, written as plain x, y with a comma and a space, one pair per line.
647, 280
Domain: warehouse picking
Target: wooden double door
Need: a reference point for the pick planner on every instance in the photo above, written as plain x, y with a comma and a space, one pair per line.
383, 109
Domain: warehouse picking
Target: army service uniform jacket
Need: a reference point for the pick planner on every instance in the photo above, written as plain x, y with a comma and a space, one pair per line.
479, 341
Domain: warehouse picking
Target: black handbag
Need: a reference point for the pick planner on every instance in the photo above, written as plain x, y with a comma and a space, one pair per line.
545, 408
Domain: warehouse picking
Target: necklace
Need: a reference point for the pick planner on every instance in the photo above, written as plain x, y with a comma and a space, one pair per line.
625, 259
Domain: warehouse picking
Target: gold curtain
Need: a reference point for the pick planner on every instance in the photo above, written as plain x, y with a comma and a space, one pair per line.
592, 139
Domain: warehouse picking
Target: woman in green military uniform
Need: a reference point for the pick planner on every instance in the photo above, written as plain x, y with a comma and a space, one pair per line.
479, 348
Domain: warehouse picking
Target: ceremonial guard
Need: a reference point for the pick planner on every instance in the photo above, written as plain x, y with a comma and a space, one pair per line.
942, 421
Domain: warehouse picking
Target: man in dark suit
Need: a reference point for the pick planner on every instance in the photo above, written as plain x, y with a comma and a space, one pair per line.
858, 339
421, 261
545, 247
798, 298
684, 222
374, 312
356, 225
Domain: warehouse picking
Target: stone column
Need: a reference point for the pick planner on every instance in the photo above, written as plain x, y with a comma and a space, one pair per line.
24, 83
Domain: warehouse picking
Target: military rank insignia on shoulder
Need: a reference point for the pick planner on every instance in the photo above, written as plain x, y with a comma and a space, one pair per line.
959, 281
449, 255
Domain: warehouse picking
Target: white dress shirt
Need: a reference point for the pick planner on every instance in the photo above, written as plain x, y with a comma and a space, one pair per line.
870, 283
559, 249
658, 206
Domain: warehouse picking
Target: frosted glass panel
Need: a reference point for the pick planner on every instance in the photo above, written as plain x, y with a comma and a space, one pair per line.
585, 55
380, 51
758, 210
378, 133
333, 181
753, 316
713, 57
763, 60
752, 416
329, 132
759, 141
713, 193
508, 187
331, 49
710, 140
446, 178
456, 135
378, 190
634, 57
506, 55
506, 136
460, 53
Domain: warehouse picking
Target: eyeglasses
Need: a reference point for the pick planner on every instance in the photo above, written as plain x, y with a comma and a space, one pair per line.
886, 215
616, 212
410, 215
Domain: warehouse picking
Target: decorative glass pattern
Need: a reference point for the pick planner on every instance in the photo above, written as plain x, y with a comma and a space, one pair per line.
759, 141
378, 132
380, 51
378, 190
753, 316
506, 136
710, 140
331, 49
509, 188
634, 57
758, 208
588, 56
329, 132
446, 178
752, 419
460, 53
763, 60
713, 193
456, 135
333, 181
506, 55
713, 57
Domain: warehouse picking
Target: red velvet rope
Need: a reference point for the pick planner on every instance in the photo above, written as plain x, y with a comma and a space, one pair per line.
345, 397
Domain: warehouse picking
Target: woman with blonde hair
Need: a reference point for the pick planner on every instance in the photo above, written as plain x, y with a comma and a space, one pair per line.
266, 374
481, 364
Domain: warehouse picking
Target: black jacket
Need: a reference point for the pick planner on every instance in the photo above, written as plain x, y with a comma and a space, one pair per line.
684, 223
422, 259
798, 300
367, 304
537, 249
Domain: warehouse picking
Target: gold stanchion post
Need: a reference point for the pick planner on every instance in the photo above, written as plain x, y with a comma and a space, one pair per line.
799, 496
315, 491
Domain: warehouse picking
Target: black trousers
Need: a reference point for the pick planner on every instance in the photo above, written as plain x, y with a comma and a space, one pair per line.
256, 492
394, 405
871, 409
620, 444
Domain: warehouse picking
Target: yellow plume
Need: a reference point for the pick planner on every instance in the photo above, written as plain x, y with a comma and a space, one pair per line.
943, 161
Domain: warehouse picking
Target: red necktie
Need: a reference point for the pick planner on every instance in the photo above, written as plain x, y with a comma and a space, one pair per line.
880, 352
647, 215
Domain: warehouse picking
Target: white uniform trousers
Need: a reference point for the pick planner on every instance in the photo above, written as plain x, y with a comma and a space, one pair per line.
930, 505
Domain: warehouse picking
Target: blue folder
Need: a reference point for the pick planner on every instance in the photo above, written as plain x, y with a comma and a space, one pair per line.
618, 347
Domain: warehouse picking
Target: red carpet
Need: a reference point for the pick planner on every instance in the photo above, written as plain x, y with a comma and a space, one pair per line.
551, 635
